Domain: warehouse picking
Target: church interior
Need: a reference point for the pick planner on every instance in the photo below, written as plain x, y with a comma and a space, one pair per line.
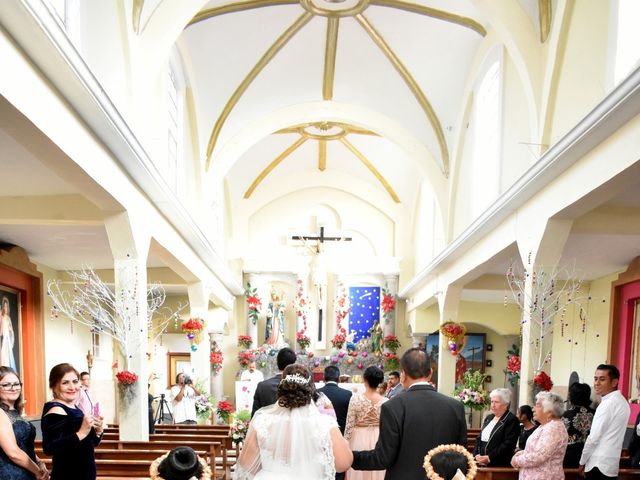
336, 171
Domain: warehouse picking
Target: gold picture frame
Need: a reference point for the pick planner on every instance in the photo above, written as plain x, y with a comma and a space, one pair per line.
177, 362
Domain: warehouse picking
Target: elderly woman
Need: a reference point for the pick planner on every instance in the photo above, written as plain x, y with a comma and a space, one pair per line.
577, 420
499, 434
542, 457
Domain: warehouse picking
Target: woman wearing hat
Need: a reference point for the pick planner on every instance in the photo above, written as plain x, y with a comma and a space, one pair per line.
292, 440
181, 463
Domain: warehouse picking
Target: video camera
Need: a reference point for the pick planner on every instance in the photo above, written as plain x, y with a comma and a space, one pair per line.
187, 380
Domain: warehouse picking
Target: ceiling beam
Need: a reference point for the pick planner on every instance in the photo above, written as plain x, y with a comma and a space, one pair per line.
273, 165
322, 155
331, 46
365, 161
544, 13
264, 60
237, 7
413, 86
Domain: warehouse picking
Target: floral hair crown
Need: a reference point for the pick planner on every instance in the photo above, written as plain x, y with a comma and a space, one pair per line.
471, 470
295, 378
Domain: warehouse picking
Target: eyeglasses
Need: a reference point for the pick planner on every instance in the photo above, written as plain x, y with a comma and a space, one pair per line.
11, 386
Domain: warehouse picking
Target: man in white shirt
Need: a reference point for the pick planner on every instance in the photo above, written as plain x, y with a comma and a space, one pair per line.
251, 374
183, 400
601, 454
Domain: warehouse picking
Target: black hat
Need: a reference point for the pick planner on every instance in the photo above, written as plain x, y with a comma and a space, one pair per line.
180, 464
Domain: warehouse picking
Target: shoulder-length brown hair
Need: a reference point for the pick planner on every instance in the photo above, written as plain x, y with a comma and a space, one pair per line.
19, 403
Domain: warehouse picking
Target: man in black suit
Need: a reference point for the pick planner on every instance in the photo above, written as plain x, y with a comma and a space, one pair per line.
413, 423
267, 390
339, 397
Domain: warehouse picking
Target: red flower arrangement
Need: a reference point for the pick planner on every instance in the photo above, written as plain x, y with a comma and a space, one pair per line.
253, 302
225, 409
391, 361
245, 341
392, 343
245, 358
338, 340
126, 378
543, 381
216, 358
455, 333
302, 340
388, 305
193, 328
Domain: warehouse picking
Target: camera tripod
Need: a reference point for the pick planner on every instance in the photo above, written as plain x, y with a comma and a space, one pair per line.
160, 412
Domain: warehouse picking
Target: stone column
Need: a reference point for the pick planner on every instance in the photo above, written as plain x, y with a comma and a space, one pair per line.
448, 303
129, 243
199, 308
391, 282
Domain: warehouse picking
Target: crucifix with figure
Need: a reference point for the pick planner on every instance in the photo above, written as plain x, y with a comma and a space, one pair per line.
318, 274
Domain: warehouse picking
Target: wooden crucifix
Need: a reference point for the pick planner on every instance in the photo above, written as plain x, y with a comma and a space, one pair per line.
321, 239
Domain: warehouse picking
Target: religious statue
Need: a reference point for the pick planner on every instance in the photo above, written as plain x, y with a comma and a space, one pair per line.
274, 331
351, 346
376, 338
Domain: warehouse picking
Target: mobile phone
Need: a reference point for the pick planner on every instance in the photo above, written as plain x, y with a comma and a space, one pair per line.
96, 409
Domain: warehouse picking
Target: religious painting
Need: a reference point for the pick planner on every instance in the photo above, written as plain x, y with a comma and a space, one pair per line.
177, 363
10, 329
471, 357
365, 311
634, 380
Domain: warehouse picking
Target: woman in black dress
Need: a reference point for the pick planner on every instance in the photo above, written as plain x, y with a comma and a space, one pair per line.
18, 459
577, 420
527, 427
500, 430
67, 434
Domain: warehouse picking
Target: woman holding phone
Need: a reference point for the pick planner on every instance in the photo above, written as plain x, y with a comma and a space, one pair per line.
68, 435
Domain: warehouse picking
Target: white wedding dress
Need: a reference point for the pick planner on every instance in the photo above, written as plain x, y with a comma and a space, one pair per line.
285, 444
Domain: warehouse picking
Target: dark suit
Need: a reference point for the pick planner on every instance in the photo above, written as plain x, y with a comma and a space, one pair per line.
502, 441
266, 393
411, 424
634, 446
340, 398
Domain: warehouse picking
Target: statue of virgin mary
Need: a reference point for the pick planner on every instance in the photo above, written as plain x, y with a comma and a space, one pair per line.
274, 330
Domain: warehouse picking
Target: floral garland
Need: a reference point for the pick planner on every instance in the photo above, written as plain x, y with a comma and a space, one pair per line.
245, 341
216, 358
472, 468
253, 303
342, 309
193, 328
301, 303
388, 305
513, 365
455, 333
472, 393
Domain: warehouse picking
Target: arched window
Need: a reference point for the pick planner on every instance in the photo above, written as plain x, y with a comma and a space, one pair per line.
626, 38
485, 125
175, 113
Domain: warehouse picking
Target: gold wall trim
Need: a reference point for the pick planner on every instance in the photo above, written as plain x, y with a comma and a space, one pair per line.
330, 57
311, 7
345, 126
365, 161
273, 165
264, 60
237, 7
433, 13
136, 14
322, 155
544, 12
415, 89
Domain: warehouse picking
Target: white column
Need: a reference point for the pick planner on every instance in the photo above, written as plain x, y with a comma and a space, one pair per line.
252, 328
304, 278
391, 282
216, 339
448, 303
199, 308
129, 243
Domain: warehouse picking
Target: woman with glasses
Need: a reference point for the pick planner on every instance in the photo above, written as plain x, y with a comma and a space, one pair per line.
18, 460
68, 435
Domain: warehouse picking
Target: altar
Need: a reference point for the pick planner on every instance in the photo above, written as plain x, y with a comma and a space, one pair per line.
246, 389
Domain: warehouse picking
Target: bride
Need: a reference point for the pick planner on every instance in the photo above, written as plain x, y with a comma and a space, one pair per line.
292, 439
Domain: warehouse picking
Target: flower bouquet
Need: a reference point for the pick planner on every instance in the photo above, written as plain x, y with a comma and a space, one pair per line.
391, 361
513, 365
253, 303
193, 328
388, 305
455, 333
338, 340
542, 381
216, 358
302, 340
471, 393
126, 384
245, 358
245, 341
204, 406
239, 427
392, 343
224, 411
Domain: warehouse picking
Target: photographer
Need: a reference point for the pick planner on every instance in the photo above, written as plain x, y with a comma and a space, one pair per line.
183, 400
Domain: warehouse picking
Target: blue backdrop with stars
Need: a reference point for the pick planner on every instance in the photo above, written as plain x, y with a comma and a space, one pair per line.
365, 309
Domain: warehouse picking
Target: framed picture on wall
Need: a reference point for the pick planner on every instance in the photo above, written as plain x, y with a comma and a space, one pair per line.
177, 363
471, 357
10, 329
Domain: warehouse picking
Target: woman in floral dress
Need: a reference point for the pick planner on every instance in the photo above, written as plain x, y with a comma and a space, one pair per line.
363, 421
542, 457
577, 420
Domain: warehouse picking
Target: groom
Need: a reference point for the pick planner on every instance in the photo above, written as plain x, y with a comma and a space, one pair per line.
413, 423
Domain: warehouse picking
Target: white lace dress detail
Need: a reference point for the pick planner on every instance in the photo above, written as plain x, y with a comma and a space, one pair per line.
288, 444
